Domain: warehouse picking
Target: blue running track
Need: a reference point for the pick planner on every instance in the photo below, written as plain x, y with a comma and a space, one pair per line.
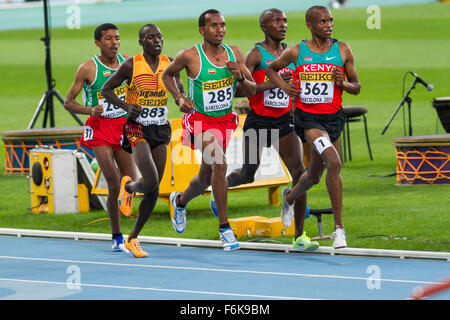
43, 268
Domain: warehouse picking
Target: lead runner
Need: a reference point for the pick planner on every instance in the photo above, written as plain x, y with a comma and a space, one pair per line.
326, 69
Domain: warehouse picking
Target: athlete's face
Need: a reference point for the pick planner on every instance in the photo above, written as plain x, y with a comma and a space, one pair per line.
109, 42
276, 26
152, 41
214, 29
322, 24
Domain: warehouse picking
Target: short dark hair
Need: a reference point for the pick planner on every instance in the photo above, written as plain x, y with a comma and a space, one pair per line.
103, 27
202, 18
266, 14
141, 30
310, 12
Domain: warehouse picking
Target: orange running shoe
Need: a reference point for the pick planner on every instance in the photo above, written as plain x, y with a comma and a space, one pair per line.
135, 247
125, 198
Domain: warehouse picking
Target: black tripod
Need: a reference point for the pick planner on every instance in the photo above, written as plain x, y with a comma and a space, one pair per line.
47, 98
408, 100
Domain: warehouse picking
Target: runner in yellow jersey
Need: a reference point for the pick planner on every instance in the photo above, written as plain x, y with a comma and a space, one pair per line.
103, 131
147, 129
213, 70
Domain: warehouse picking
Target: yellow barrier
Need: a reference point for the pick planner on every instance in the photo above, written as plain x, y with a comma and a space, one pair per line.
244, 226
273, 228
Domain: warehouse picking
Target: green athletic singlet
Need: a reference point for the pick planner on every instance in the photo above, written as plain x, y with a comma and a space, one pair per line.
92, 96
213, 90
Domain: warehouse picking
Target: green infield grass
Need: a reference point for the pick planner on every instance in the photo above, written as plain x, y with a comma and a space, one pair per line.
377, 212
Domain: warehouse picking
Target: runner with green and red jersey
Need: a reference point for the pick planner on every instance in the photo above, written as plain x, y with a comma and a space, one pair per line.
325, 69
270, 123
273, 102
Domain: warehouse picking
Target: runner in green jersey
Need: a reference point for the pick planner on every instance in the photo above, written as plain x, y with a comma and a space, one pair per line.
213, 89
213, 70
104, 127
92, 96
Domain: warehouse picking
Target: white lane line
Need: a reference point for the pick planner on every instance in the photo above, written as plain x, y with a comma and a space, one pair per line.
307, 275
159, 289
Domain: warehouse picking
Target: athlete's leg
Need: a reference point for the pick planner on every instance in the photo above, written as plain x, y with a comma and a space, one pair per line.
148, 184
334, 184
291, 152
212, 172
125, 162
251, 155
105, 159
315, 170
323, 155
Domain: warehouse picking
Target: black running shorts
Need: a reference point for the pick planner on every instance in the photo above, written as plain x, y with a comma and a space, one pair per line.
262, 126
332, 123
154, 135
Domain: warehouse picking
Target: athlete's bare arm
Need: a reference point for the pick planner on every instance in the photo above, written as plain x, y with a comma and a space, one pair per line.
178, 81
240, 71
351, 85
84, 74
124, 73
290, 55
185, 59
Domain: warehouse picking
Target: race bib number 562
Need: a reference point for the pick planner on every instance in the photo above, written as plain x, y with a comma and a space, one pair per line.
317, 92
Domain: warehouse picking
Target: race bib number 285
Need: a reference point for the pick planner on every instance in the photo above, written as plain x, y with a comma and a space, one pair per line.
218, 94
110, 110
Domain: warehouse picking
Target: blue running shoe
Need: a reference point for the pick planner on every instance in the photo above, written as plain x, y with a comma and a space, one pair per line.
212, 205
118, 244
229, 242
179, 214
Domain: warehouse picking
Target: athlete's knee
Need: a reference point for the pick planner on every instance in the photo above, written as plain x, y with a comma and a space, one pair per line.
151, 188
219, 168
297, 172
334, 164
313, 178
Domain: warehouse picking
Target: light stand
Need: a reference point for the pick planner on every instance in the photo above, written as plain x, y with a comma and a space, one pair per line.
47, 97
408, 100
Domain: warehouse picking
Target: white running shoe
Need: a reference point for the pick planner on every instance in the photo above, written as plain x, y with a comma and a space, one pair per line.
339, 238
179, 214
118, 244
229, 242
287, 212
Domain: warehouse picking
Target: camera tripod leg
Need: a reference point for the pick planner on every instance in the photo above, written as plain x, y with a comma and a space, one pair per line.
38, 110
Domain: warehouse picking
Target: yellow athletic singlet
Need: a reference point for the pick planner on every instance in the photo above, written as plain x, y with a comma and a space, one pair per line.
148, 91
